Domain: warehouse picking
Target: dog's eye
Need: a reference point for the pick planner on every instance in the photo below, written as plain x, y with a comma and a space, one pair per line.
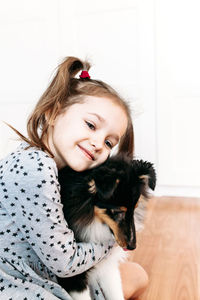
118, 211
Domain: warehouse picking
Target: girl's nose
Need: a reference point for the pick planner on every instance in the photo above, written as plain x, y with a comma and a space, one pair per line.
97, 144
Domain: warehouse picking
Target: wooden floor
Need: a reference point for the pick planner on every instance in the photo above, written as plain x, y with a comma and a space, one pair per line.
169, 249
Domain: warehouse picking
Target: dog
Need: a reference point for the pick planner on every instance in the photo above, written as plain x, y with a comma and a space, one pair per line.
97, 204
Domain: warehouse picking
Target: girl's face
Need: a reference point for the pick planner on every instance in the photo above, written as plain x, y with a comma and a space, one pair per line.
83, 136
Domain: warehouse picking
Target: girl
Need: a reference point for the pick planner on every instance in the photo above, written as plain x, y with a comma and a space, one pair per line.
77, 122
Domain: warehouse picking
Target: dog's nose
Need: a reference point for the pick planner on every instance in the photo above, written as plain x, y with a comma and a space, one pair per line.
131, 247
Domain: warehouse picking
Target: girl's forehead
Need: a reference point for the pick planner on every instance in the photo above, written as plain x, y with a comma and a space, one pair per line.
103, 103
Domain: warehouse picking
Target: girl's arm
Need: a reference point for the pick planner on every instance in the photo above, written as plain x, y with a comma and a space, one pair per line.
35, 192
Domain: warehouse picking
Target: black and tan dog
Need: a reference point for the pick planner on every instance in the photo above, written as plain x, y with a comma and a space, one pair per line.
97, 204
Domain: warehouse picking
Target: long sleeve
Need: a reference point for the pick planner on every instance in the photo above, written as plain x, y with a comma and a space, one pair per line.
32, 199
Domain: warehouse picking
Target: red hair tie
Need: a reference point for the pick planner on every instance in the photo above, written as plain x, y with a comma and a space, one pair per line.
84, 74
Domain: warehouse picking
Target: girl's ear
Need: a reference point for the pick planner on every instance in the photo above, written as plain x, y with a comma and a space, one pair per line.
50, 119
51, 114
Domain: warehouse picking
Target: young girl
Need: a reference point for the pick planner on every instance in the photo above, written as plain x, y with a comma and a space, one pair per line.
76, 122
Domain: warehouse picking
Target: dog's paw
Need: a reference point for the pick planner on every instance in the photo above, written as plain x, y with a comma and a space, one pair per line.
85, 295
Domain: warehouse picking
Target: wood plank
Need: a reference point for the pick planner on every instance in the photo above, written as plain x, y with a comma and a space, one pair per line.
169, 249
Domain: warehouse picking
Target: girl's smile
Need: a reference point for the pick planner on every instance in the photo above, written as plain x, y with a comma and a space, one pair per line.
83, 136
87, 153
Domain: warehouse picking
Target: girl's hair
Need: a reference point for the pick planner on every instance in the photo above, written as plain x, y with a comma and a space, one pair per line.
65, 90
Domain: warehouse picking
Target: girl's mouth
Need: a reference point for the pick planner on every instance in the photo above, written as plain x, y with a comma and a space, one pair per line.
87, 153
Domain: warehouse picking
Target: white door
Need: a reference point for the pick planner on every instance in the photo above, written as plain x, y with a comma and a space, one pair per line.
178, 95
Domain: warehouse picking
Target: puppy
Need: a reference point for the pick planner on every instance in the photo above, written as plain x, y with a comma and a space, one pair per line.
97, 204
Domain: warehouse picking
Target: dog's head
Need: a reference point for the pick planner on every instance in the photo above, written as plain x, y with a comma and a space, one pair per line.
117, 186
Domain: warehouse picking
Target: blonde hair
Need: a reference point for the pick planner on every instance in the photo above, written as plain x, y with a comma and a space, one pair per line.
63, 91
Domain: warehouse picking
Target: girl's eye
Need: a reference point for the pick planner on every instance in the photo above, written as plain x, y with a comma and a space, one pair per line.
108, 144
90, 125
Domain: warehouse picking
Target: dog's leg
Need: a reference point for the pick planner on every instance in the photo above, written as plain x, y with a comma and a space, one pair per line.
110, 281
85, 295
107, 274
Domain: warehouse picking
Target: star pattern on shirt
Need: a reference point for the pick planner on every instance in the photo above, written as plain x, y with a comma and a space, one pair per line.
38, 224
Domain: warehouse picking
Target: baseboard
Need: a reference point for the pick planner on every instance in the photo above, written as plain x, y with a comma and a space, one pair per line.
177, 191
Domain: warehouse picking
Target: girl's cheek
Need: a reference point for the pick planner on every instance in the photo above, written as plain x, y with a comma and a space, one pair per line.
106, 157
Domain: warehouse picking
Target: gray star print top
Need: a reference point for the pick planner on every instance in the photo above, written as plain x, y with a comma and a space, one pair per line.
36, 244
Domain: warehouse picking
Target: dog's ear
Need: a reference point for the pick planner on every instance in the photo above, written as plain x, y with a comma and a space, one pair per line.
146, 174
104, 187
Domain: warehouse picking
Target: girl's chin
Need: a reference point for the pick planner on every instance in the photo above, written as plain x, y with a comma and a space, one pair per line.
78, 169
80, 165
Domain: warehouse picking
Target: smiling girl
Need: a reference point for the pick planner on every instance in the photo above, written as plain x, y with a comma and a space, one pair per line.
77, 122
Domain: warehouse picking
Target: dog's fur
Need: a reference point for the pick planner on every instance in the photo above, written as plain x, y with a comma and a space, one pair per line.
97, 204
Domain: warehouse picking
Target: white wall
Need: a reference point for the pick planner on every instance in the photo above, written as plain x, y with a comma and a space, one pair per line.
124, 41
177, 25
28, 53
